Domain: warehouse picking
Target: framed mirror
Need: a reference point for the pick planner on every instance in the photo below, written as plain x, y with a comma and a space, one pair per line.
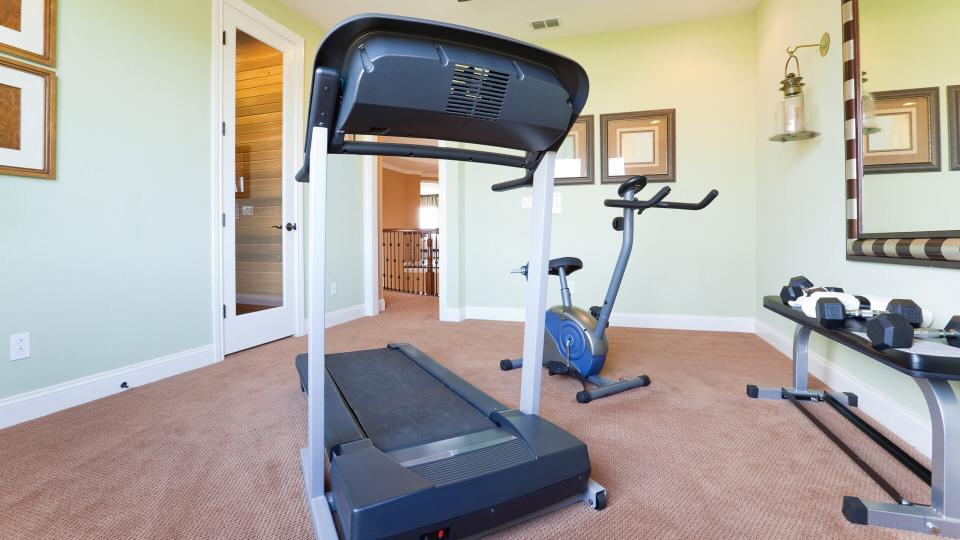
903, 198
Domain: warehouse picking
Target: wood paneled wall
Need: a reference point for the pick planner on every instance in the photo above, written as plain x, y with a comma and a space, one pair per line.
259, 144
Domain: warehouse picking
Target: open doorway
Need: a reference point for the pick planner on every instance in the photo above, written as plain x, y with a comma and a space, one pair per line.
409, 218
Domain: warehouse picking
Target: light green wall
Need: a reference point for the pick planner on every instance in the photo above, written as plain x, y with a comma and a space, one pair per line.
453, 237
912, 45
801, 197
110, 264
705, 70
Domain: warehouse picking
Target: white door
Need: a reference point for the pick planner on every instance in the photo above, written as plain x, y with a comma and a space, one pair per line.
260, 233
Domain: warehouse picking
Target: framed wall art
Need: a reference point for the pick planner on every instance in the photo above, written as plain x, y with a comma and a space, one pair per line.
638, 144
906, 137
28, 29
575, 156
27, 119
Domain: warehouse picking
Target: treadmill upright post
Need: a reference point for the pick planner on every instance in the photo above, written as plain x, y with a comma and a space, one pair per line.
312, 457
536, 303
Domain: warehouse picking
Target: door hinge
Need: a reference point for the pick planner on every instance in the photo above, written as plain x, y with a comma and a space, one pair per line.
224, 37
224, 311
223, 128
223, 219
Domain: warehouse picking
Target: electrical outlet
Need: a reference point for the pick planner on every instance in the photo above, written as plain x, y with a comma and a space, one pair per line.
333, 288
19, 346
526, 203
248, 210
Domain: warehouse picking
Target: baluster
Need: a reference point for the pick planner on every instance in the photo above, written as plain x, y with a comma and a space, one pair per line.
430, 280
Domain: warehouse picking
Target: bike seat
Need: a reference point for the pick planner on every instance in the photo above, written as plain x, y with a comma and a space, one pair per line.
569, 265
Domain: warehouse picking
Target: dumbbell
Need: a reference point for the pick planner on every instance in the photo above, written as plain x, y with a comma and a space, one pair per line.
892, 331
800, 286
832, 312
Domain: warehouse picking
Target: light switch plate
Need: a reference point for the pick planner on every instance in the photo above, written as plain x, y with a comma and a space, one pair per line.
248, 210
526, 203
19, 346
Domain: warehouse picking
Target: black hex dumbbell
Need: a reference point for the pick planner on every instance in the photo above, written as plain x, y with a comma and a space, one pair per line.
799, 287
892, 331
832, 313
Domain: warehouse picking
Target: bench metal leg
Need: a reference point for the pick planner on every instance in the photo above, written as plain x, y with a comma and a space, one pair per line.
801, 371
801, 358
942, 517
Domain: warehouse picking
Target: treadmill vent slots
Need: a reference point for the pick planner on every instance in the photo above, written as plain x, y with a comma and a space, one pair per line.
477, 92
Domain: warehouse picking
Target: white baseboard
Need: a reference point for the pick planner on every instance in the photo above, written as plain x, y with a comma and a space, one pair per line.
341, 316
37, 403
491, 313
887, 412
635, 320
453, 314
704, 323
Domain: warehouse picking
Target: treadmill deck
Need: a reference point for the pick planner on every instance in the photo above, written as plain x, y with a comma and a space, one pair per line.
397, 403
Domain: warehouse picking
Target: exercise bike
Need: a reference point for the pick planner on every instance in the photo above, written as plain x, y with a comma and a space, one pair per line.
575, 341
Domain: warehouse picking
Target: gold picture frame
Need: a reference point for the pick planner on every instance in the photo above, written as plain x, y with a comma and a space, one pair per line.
641, 143
28, 29
575, 156
909, 136
28, 125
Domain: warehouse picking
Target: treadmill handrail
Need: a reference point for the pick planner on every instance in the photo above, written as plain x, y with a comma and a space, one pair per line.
434, 152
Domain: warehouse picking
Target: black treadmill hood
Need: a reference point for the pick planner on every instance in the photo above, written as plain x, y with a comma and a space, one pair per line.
406, 77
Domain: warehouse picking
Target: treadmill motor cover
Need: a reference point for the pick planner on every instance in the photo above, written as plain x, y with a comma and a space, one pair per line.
405, 77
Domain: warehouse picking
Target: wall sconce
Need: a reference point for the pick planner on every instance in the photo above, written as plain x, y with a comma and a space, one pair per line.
794, 126
867, 107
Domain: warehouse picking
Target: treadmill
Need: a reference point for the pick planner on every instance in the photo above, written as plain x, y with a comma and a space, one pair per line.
414, 450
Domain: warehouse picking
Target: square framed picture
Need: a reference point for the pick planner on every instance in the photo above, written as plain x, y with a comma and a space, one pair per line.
575, 156
27, 120
28, 29
953, 109
638, 144
908, 135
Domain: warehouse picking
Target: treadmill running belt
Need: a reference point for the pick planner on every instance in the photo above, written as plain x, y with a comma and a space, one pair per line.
398, 403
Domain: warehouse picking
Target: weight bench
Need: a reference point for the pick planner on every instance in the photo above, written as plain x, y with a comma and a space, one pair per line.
932, 365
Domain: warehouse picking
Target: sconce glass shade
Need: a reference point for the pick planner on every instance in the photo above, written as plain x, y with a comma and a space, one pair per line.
792, 111
867, 108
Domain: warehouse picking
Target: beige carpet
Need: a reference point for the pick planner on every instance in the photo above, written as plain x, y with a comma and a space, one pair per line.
214, 453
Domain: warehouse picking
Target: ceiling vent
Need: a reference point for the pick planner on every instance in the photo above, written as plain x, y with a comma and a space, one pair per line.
545, 23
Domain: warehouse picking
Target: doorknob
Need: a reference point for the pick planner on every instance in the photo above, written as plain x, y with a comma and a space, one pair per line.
289, 227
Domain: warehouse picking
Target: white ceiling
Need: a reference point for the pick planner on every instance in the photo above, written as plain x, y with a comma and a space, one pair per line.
513, 17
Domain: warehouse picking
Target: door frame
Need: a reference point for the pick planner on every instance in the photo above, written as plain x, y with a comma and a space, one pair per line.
216, 173
372, 303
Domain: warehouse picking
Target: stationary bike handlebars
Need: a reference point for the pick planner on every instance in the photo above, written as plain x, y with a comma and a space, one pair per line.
637, 183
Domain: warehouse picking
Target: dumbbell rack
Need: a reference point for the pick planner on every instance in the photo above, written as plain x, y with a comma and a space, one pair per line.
933, 373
